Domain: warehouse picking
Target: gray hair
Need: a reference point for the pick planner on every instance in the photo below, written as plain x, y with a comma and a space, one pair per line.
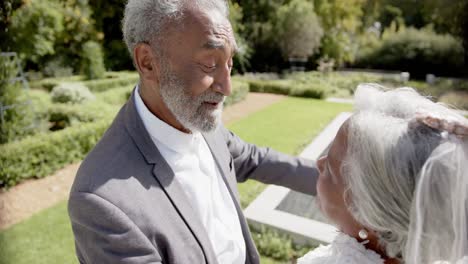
386, 153
146, 20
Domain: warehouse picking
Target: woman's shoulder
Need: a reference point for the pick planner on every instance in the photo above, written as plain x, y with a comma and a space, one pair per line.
344, 249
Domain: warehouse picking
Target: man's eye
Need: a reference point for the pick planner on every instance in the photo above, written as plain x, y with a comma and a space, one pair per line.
207, 68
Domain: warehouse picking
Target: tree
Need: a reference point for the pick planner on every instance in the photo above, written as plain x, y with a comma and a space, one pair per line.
341, 21
107, 15
298, 29
258, 20
241, 60
6, 9
79, 28
34, 29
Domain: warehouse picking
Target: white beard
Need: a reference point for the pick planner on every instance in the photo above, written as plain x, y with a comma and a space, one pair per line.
189, 111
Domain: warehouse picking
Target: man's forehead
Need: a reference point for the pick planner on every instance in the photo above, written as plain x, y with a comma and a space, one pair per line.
214, 28
217, 31
220, 43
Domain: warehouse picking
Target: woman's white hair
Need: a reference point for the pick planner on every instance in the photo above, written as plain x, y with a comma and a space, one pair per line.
406, 181
146, 21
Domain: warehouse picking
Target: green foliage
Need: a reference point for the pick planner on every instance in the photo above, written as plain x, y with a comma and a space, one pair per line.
64, 115
280, 247
116, 96
241, 60
111, 80
106, 84
49, 34
298, 29
42, 154
258, 20
93, 61
21, 118
341, 21
416, 51
35, 27
74, 93
79, 28
105, 14
288, 87
56, 68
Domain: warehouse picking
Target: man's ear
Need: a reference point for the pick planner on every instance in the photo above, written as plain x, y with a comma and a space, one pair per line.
146, 62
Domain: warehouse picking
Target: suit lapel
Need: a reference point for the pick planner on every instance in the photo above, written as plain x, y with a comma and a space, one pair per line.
216, 143
222, 158
166, 178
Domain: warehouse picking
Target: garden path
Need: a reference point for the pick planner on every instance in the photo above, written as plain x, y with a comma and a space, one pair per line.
24, 200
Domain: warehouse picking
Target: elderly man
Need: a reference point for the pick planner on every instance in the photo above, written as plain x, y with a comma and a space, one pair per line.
160, 186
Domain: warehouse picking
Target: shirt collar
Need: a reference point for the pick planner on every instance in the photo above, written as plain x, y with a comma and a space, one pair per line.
162, 132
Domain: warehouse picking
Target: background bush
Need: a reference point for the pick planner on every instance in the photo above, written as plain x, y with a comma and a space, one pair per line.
22, 117
65, 115
93, 61
298, 29
417, 51
34, 29
112, 80
74, 93
42, 154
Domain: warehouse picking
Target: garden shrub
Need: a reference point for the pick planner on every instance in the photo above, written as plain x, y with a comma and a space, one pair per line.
298, 29
275, 87
74, 93
35, 27
280, 247
93, 61
116, 96
106, 84
57, 68
288, 87
20, 119
65, 115
43, 154
308, 91
416, 51
110, 81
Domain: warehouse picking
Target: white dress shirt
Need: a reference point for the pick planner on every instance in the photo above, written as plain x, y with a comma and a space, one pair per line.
191, 160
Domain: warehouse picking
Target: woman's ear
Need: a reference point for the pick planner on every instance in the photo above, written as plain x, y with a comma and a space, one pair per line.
146, 62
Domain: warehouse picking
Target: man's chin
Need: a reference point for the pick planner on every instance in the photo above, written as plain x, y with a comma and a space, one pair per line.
210, 122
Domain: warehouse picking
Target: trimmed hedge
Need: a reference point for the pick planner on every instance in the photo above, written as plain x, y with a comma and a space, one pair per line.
113, 80
116, 96
65, 115
106, 84
418, 51
71, 93
43, 154
287, 87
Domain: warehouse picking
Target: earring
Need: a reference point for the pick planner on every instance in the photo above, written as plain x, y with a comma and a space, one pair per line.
363, 234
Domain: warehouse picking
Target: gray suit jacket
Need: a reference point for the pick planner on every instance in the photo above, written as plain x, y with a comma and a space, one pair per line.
126, 207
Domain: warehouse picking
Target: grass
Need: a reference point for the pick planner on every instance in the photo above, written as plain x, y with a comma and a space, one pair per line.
286, 126
44, 238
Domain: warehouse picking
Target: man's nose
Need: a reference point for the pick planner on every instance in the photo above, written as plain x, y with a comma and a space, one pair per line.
223, 81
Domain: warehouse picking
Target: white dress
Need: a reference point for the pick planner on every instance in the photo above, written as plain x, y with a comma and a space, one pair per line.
343, 250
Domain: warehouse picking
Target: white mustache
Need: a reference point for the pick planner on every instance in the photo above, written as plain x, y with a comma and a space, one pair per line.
211, 97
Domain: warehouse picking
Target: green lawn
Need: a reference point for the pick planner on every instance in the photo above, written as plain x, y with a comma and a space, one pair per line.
286, 126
